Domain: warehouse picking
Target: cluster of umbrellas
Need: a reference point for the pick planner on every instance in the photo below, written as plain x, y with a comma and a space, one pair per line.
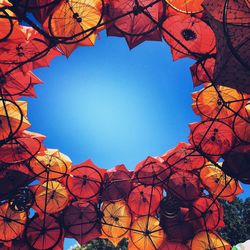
167, 202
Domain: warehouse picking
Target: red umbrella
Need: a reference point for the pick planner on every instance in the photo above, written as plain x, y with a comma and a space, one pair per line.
188, 37
144, 200
206, 214
117, 184
85, 180
151, 171
230, 22
184, 157
43, 233
212, 137
80, 220
137, 21
184, 185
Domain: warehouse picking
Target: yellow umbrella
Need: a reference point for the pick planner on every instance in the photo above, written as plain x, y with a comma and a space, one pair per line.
116, 221
146, 233
13, 118
218, 183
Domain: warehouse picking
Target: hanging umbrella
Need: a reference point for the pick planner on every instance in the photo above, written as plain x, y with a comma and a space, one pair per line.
209, 240
189, 37
115, 221
13, 118
206, 214
50, 164
216, 102
183, 157
137, 21
146, 233
184, 185
188, 7
85, 180
202, 71
211, 137
117, 184
28, 52
80, 220
17, 84
75, 23
12, 223
51, 197
43, 233
218, 183
230, 22
144, 199
151, 171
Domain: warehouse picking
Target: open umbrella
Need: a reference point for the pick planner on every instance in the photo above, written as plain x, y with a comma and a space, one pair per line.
135, 20
146, 233
188, 7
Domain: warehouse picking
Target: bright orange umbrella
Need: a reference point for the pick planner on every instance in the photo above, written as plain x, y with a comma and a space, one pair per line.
193, 6
116, 220
13, 118
218, 183
209, 240
51, 197
12, 223
146, 233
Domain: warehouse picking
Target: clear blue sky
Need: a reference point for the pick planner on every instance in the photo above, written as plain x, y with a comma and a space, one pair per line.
113, 105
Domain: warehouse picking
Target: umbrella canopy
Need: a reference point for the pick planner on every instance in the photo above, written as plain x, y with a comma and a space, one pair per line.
51, 197
216, 102
115, 221
209, 240
43, 233
117, 184
13, 118
75, 23
50, 164
85, 180
183, 157
184, 185
206, 214
188, 7
146, 233
12, 223
168, 245
218, 183
144, 199
212, 137
137, 21
189, 37
151, 172
230, 22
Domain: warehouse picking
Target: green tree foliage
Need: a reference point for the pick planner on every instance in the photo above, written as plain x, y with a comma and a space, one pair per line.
237, 229
237, 221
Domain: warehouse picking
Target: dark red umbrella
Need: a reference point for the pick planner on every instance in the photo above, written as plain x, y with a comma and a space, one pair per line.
184, 185
230, 21
136, 20
117, 184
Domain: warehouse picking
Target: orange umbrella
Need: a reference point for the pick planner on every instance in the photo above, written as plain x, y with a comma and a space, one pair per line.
144, 199
216, 102
189, 7
85, 180
146, 233
50, 164
75, 23
218, 183
13, 118
115, 221
209, 240
188, 37
212, 137
51, 197
12, 223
